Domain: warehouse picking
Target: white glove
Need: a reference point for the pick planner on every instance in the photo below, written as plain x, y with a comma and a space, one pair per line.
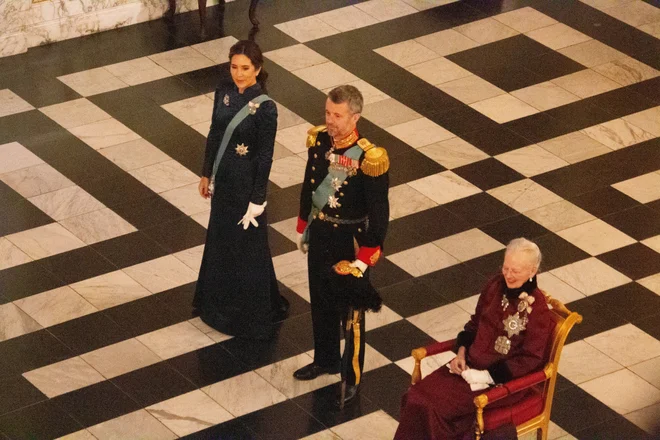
252, 212
360, 265
302, 247
478, 386
477, 376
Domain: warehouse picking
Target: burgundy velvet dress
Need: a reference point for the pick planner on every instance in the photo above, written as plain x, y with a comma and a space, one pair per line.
441, 405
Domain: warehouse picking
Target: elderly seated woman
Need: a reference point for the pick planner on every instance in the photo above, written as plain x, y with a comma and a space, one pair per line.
506, 338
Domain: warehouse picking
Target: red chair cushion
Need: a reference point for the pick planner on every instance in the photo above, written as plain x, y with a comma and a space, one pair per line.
520, 412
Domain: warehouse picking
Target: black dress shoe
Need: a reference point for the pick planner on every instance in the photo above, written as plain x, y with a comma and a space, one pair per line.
312, 371
351, 393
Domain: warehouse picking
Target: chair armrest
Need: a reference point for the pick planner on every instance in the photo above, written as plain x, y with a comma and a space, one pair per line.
513, 386
429, 350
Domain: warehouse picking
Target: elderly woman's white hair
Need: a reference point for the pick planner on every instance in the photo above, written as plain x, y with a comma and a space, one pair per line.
527, 248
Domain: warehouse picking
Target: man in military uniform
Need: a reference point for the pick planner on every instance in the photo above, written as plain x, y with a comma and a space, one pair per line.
344, 213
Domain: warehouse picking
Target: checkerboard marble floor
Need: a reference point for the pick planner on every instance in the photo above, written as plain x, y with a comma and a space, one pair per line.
508, 118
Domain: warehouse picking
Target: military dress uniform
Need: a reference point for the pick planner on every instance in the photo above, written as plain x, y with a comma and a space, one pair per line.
351, 225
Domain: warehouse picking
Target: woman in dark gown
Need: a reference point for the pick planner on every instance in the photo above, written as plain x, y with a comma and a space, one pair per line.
237, 292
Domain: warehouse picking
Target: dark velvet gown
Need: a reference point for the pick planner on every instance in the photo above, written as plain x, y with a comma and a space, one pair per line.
237, 292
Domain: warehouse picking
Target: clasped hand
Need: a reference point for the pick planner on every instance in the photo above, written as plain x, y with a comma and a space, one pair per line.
253, 211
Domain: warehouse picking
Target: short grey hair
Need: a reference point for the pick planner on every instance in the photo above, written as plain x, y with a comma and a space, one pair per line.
348, 94
528, 248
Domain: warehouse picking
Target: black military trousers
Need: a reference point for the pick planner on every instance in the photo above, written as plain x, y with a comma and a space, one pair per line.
327, 246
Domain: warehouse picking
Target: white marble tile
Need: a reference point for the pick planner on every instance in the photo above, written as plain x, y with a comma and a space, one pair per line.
74, 113
504, 108
175, 340
381, 318
347, 19
286, 118
644, 188
191, 257
420, 132
280, 151
66, 202
109, 290
135, 154
545, 96
559, 216
648, 120
302, 290
97, 226
383, 10
423, 5
429, 363
10, 255
626, 71
586, 83
471, 89
14, 156
202, 218
627, 344
92, 82
389, 112
574, 147
291, 268
288, 171
62, 377
11, 103
590, 276
453, 153
591, 53
558, 289
524, 195
139, 424
406, 53
404, 200
617, 134
635, 13
604, 4
486, 31
188, 413
525, 19
652, 283
326, 75
212, 333
596, 237
623, 391
652, 29
187, 199
120, 358
55, 306
422, 259
202, 128
258, 394
322, 435
15, 322
369, 92
191, 110
581, 362
280, 375
79, 435
287, 228
469, 244
164, 176
469, 305
45, 241
294, 138
646, 418
216, 50
438, 71
307, 29
444, 187
161, 274
375, 426
648, 370
137, 71
442, 323
531, 160
35, 180
181, 60
447, 42
558, 36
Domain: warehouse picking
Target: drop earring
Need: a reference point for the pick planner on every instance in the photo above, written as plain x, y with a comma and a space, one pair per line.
530, 279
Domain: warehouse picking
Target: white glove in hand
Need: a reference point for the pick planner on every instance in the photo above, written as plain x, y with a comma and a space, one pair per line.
360, 265
478, 386
252, 212
477, 376
302, 247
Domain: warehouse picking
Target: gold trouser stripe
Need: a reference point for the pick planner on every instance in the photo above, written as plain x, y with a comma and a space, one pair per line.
356, 345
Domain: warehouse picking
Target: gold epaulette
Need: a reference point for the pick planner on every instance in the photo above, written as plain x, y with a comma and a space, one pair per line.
376, 161
312, 133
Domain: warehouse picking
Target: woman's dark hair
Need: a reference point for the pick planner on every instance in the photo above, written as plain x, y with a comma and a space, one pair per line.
251, 50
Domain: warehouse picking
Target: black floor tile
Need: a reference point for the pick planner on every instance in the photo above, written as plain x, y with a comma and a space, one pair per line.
143, 315
208, 365
558, 252
632, 301
438, 223
297, 305
206, 80
269, 420
615, 429
41, 421
231, 430
385, 386
650, 325
386, 273
189, 234
30, 351
579, 114
179, 301
562, 384
18, 393
153, 384
50, 91
298, 330
510, 76
649, 89
86, 165
487, 265
488, 174
640, 222
574, 409
572, 181
77, 265
480, 209
635, 261
412, 166
456, 282
284, 204
596, 319
395, 341
519, 226
463, 121
22, 216
96, 403
166, 90
625, 101
654, 205
603, 201
400, 237
117, 190
551, 65
89, 333
538, 127
27, 279
278, 243
130, 249
412, 297
148, 212
257, 354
